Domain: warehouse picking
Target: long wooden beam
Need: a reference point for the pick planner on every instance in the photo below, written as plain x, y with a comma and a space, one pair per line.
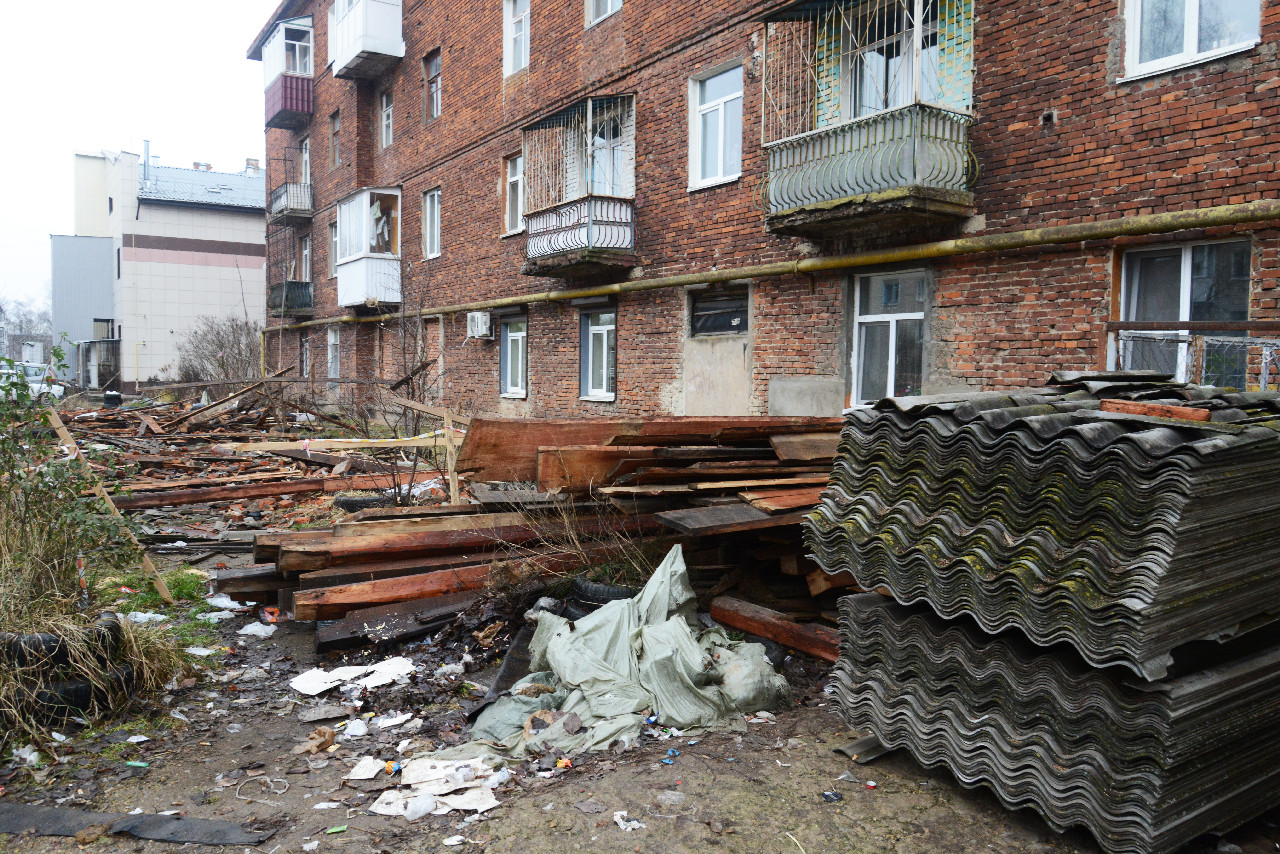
819, 641
336, 444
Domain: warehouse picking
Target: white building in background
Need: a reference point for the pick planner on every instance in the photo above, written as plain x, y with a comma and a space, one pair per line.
184, 243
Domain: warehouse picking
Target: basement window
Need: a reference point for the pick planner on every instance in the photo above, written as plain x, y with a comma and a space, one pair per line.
718, 311
1165, 34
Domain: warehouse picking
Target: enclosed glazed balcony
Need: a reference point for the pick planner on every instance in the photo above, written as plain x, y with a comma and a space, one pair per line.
368, 262
293, 299
288, 61
366, 37
580, 189
290, 204
867, 115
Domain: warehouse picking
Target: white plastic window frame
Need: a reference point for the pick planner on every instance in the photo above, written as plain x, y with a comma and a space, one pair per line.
590, 331
1190, 55
697, 181
333, 249
333, 354
859, 320
519, 389
304, 352
387, 118
1184, 292
514, 189
304, 253
304, 159
353, 212
610, 7
306, 67
431, 203
515, 37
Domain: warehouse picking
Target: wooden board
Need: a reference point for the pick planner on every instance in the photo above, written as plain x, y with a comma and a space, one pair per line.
506, 449
665, 474
731, 518
335, 444
373, 570
820, 582
820, 642
330, 603
1155, 410
427, 409
141, 500
806, 447
577, 468
779, 483
476, 522
783, 500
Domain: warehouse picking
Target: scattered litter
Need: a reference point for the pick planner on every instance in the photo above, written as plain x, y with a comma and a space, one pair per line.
216, 616
590, 806
59, 737
627, 824
355, 729
311, 846
673, 752
420, 806
317, 680
342, 828
366, 769
848, 778
871, 784
832, 797
199, 650
234, 728
454, 840
225, 602
133, 739
668, 762
177, 715
322, 713
326, 805
320, 738
29, 755
136, 764
762, 718
146, 617
258, 630
391, 720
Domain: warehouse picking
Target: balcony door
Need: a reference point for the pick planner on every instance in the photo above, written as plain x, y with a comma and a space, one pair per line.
879, 53
304, 158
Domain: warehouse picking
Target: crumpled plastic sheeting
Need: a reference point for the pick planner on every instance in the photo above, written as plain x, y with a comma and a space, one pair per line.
630, 657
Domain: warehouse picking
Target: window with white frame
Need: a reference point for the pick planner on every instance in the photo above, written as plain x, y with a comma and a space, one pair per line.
387, 115
1168, 33
598, 10
888, 341
304, 352
1192, 282
431, 223
304, 160
715, 134
333, 249
304, 257
515, 194
297, 51
513, 356
515, 44
431, 105
335, 153
369, 224
599, 346
334, 355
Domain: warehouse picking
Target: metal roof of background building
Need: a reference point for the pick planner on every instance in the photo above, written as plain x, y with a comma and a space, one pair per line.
198, 187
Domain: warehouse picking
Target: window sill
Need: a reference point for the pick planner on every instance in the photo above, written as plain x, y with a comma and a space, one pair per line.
511, 395
599, 398
601, 20
506, 234
1198, 59
718, 182
432, 257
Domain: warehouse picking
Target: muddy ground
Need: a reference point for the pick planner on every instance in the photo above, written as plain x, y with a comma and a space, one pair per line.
756, 791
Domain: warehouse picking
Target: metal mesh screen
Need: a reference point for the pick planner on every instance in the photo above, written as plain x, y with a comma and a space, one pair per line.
588, 149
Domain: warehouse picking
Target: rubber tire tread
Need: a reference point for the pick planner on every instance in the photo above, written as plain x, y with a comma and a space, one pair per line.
597, 593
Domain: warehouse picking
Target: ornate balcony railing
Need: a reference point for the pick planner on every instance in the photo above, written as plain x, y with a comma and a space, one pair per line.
585, 223
913, 146
290, 201
290, 297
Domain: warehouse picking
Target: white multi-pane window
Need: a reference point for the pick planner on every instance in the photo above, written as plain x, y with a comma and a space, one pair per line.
515, 193
1168, 33
599, 354
297, 51
386, 111
304, 160
598, 10
369, 224
431, 223
515, 51
431, 106
333, 249
513, 354
304, 256
716, 132
888, 346
1191, 282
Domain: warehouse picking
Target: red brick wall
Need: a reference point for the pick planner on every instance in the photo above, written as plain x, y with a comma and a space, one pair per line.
1184, 139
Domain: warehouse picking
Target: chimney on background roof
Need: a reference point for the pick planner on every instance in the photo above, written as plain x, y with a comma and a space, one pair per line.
201, 167
251, 166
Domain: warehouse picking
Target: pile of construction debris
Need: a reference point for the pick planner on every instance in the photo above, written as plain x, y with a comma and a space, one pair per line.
1133, 519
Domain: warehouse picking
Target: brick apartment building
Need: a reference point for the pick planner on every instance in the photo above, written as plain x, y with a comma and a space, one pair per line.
593, 207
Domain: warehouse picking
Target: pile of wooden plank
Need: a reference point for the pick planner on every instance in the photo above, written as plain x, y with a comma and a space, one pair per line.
381, 567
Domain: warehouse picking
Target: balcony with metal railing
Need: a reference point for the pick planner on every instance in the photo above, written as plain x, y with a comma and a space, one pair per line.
292, 299
290, 203
867, 117
580, 188
366, 37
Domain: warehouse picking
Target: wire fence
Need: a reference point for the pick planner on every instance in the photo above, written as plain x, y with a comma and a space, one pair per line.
1235, 361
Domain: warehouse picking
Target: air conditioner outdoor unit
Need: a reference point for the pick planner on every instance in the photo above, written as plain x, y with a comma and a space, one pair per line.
479, 324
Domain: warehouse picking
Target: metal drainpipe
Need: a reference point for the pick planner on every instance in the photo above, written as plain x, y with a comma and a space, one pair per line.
1162, 223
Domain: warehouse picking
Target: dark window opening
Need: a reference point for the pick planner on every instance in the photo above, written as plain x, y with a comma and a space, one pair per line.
719, 312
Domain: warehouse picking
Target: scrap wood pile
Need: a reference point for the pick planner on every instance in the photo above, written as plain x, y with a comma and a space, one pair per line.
1120, 522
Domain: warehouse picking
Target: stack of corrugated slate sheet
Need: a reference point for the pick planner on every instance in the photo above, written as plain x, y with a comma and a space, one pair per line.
1082, 515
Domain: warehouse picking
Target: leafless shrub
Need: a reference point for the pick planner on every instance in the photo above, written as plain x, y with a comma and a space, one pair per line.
220, 348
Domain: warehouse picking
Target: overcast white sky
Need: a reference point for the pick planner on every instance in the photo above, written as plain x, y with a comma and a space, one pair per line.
84, 75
